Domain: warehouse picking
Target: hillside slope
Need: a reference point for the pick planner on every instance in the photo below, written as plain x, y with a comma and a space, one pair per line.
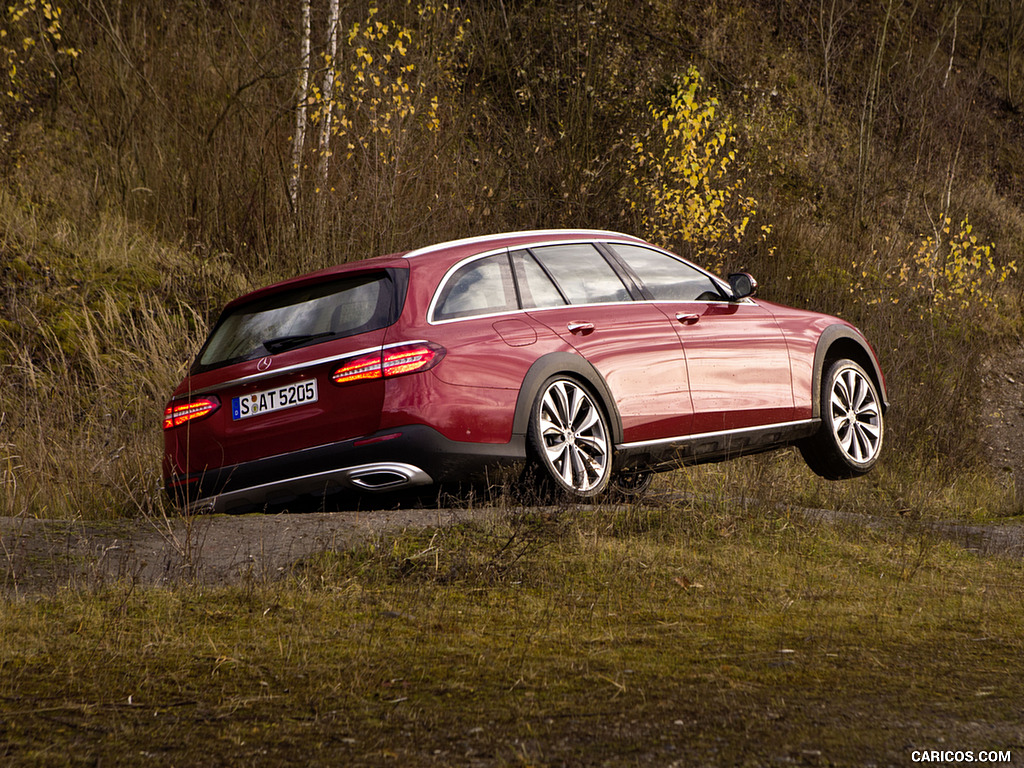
147, 175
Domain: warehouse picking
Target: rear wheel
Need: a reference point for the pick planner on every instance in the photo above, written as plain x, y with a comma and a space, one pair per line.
850, 439
569, 438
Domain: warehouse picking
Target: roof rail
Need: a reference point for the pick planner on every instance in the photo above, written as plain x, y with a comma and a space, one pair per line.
482, 239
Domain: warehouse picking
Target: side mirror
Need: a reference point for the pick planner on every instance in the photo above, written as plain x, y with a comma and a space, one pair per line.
742, 285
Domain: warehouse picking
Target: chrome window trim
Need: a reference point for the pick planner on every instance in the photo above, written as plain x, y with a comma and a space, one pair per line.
254, 377
571, 240
531, 310
616, 238
432, 307
714, 278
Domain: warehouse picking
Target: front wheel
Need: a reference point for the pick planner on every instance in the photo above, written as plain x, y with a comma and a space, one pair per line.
569, 438
850, 439
632, 485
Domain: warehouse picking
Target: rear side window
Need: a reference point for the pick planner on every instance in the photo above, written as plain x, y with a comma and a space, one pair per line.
301, 317
481, 287
582, 273
535, 288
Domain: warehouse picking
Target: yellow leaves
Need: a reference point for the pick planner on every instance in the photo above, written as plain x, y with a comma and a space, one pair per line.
30, 25
679, 173
948, 272
394, 81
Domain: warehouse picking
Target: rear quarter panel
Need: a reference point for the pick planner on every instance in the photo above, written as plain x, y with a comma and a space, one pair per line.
471, 394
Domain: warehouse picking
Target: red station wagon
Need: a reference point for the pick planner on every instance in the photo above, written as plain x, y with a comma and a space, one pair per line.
592, 358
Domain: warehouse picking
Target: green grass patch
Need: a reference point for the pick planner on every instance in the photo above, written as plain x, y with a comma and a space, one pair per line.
698, 634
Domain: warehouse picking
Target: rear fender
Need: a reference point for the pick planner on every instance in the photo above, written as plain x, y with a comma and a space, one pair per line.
576, 367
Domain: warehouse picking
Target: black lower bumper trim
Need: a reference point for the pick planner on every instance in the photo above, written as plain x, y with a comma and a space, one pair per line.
390, 460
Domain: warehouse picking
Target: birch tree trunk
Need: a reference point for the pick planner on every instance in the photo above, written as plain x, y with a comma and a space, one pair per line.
299, 139
328, 91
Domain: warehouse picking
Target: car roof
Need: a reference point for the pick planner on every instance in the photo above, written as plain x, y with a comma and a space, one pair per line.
450, 251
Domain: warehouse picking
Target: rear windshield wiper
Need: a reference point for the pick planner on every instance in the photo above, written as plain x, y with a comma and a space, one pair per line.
281, 343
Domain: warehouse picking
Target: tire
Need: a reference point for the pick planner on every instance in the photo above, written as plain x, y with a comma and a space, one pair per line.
852, 428
569, 438
632, 485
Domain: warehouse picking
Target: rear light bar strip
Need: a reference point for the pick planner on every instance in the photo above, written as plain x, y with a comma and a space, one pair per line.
252, 377
393, 360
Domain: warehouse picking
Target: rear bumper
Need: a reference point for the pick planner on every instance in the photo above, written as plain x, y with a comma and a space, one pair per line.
387, 461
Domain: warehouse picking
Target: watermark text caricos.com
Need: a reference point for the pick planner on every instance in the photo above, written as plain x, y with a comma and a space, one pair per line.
960, 756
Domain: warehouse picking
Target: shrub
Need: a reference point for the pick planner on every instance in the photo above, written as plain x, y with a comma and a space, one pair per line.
682, 184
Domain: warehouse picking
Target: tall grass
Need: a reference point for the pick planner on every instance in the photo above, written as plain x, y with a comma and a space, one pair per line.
99, 331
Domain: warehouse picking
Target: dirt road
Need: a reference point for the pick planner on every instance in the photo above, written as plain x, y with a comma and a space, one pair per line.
39, 556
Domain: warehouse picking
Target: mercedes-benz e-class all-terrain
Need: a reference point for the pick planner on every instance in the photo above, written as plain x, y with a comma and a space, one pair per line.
590, 358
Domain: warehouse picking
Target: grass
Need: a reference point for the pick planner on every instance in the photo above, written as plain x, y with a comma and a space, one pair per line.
701, 633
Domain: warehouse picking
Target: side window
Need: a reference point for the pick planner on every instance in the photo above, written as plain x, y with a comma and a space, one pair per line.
481, 287
535, 288
582, 273
667, 278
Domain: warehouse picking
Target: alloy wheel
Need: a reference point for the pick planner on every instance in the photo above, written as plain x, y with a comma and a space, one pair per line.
855, 416
573, 437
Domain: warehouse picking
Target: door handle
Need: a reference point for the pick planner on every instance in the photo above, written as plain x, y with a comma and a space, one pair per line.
687, 319
581, 328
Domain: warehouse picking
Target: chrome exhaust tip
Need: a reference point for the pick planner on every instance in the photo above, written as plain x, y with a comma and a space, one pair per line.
386, 476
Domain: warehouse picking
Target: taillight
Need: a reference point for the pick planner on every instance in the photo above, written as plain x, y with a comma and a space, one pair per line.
411, 358
177, 413
359, 369
394, 361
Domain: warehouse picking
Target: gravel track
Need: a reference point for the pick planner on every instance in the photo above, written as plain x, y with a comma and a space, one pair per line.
39, 556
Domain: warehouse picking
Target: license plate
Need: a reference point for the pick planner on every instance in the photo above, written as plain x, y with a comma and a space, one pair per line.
276, 399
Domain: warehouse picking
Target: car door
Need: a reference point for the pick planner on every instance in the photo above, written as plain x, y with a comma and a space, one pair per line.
736, 355
576, 292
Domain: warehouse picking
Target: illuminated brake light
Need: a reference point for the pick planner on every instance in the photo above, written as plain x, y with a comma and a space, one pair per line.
360, 369
395, 361
411, 358
177, 414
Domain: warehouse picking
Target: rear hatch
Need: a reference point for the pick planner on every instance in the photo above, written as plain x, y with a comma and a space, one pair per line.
285, 369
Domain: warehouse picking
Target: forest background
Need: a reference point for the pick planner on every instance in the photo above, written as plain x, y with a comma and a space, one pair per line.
159, 158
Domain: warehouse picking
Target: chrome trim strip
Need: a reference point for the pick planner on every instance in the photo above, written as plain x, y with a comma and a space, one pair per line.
531, 310
253, 377
448, 275
682, 439
569, 237
572, 235
591, 237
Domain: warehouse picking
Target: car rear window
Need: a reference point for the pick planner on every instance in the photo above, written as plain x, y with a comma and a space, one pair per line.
303, 316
